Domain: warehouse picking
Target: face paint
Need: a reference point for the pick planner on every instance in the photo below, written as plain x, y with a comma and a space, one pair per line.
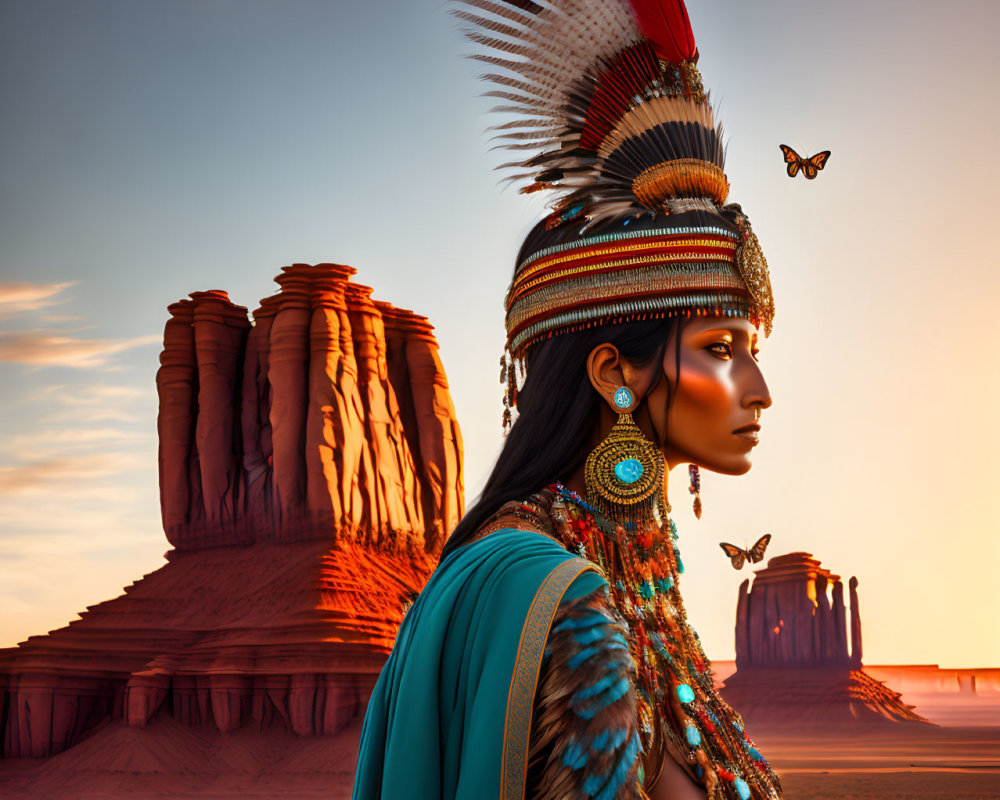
708, 414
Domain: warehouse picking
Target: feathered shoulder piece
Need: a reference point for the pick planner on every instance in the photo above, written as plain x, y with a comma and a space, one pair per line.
607, 101
586, 688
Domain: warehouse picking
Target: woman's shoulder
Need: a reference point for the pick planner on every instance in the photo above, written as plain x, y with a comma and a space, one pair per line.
467, 656
524, 515
520, 547
511, 547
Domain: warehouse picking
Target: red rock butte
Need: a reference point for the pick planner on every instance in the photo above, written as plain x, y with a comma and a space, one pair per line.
795, 662
310, 467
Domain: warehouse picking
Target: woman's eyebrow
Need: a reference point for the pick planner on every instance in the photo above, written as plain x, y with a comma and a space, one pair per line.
717, 332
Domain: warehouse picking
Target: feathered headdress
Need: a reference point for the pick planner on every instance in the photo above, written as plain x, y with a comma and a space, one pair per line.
607, 91
610, 113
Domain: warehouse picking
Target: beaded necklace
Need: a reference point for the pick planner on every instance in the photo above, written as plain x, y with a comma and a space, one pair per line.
674, 679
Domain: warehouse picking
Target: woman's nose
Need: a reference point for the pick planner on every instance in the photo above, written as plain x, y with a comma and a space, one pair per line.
757, 393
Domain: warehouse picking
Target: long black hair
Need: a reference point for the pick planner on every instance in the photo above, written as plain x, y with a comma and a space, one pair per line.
558, 409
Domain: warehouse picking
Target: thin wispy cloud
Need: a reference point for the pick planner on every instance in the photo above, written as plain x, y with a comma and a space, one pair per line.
52, 473
89, 403
95, 515
61, 318
16, 298
86, 415
93, 394
52, 348
48, 443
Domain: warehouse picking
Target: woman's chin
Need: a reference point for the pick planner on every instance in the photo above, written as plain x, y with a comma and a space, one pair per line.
739, 465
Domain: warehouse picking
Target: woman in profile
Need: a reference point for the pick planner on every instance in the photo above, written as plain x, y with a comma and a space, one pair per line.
549, 655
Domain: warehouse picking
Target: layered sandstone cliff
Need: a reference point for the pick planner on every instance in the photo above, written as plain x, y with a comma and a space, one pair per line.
798, 651
329, 415
310, 467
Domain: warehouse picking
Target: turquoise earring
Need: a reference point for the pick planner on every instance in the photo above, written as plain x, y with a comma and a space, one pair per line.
624, 473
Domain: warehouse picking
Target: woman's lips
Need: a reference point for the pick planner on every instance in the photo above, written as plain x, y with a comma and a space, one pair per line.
749, 432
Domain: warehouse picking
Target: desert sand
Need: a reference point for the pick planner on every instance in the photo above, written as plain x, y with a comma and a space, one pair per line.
932, 763
168, 760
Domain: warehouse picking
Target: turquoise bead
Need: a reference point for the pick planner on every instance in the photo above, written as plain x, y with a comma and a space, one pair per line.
685, 693
693, 735
742, 788
623, 397
629, 470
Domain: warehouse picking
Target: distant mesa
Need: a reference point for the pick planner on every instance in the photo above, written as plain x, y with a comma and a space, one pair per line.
310, 467
330, 414
798, 659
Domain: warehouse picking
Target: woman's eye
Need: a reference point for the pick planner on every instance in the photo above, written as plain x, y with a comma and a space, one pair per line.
722, 349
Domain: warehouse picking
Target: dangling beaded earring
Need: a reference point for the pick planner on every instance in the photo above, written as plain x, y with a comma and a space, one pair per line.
508, 379
624, 473
695, 488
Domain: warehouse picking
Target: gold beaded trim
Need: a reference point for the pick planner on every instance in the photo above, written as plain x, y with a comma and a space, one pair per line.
633, 309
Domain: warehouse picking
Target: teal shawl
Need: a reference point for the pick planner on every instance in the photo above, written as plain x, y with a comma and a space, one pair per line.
451, 713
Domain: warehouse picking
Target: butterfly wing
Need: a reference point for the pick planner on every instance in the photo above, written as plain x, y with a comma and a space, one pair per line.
790, 155
820, 159
737, 555
792, 159
812, 166
756, 553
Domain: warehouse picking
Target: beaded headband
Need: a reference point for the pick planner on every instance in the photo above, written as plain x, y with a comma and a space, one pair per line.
601, 277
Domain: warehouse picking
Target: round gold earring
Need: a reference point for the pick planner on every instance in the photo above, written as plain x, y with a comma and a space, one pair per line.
624, 473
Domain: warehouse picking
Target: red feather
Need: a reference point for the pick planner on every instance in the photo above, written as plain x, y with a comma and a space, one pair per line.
666, 24
625, 76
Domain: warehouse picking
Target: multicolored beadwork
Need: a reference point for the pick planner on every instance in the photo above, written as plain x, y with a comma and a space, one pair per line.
674, 678
617, 276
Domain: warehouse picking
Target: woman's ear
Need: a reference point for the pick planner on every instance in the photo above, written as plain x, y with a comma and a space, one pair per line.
605, 370
608, 371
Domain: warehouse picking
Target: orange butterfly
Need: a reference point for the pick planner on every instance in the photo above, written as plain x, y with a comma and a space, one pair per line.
810, 166
738, 556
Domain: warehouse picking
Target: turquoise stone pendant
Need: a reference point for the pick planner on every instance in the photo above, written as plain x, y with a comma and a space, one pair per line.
629, 470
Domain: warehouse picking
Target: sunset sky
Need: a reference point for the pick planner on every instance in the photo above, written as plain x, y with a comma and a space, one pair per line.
152, 149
